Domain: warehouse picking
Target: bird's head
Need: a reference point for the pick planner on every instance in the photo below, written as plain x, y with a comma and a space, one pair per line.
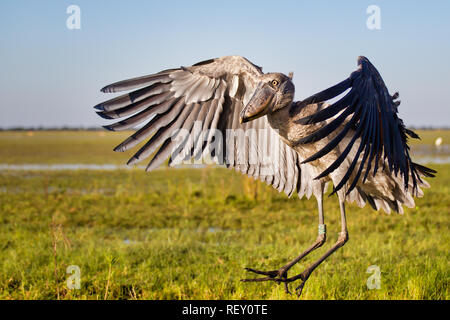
274, 92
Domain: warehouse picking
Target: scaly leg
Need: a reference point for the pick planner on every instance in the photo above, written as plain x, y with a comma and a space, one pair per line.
343, 238
282, 272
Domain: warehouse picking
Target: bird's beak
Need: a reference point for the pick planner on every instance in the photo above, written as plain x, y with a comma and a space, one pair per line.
258, 105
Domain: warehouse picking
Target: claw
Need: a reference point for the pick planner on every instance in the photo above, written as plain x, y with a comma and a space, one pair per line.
299, 289
286, 286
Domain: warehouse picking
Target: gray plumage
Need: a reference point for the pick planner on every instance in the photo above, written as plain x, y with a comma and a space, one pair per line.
212, 93
357, 143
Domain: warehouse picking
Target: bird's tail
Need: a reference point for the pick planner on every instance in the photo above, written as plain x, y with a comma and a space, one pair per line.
398, 196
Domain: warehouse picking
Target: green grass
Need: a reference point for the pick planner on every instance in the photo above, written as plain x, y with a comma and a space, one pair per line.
429, 136
50, 147
188, 234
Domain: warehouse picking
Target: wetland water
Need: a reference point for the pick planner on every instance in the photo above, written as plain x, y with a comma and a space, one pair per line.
423, 154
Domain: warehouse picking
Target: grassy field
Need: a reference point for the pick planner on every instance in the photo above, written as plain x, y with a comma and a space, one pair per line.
189, 233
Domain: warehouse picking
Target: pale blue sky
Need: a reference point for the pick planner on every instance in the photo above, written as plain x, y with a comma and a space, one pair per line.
51, 76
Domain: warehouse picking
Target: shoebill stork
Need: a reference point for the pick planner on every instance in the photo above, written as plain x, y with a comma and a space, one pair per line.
358, 143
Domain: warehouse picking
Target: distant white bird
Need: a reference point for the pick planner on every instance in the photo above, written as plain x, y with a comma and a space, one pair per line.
357, 143
438, 142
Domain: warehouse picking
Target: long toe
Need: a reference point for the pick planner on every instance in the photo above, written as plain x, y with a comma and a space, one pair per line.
272, 273
259, 279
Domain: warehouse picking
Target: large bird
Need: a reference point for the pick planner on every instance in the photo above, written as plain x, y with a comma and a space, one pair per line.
228, 111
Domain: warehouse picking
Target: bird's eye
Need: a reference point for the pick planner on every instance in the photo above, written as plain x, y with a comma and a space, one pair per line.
275, 83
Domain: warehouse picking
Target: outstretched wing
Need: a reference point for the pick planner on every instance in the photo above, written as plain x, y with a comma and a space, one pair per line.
371, 113
193, 113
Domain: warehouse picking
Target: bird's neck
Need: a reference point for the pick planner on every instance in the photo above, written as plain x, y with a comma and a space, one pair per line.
284, 123
281, 121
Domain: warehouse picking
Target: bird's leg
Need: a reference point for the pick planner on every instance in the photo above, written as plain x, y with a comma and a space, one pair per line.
281, 273
342, 239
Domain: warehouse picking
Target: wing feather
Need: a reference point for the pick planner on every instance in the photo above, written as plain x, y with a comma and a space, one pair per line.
202, 100
374, 123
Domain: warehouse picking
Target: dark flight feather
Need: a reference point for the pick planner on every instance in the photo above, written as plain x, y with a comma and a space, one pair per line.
374, 121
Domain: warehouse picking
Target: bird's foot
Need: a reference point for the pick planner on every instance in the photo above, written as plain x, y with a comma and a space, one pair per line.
280, 276
302, 276
277, 276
